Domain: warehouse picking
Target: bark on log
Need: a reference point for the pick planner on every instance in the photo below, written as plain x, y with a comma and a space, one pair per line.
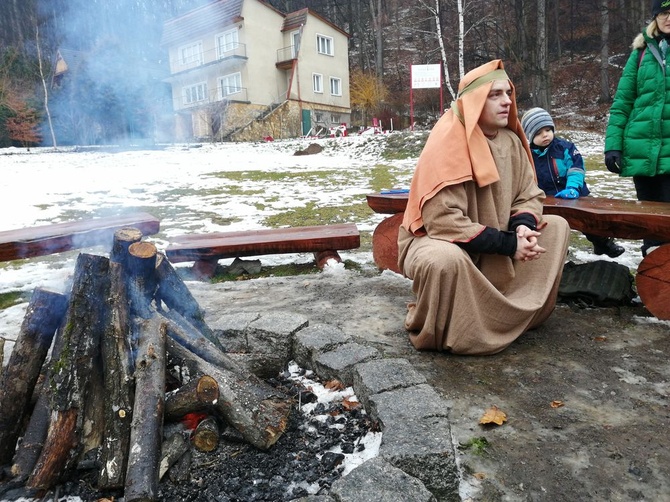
172, 450
140, 271
118, 383
196, 395
206, 435
146, 433
175, 294
253, 407
123, 238
84, 324
44, 314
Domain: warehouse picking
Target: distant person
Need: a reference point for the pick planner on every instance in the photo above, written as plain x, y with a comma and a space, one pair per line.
485, 262
560, 169
637, 140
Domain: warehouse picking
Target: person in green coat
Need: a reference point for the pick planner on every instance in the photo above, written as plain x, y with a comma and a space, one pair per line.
637, 140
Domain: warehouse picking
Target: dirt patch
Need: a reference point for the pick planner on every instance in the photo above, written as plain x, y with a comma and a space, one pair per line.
607, 366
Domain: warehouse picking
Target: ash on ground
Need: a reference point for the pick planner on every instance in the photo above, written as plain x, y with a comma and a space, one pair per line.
328, 434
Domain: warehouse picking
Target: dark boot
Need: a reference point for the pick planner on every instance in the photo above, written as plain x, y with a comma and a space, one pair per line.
605, 245
647, 244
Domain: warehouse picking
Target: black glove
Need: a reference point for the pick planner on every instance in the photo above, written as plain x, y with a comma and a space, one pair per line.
613, 161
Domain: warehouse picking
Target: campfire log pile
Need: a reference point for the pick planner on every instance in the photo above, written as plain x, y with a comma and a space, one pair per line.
108, 385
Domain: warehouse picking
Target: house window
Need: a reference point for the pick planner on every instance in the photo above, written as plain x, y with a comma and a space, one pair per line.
190, 54
324, 45
226, 42
230, 84
195, 93
318, 117
335, 86
317, 81
334, 119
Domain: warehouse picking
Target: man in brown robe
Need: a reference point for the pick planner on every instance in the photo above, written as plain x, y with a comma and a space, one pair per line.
485, 262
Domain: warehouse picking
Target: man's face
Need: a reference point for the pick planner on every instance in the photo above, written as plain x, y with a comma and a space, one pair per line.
496, 109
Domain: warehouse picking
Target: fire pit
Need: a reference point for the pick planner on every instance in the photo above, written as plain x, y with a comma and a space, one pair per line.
103, 426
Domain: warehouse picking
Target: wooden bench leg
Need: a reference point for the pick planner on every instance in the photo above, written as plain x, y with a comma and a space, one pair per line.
653, 282
385, 243
322, 257
204, 269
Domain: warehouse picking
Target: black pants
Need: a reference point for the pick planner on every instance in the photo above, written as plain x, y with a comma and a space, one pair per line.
652, 188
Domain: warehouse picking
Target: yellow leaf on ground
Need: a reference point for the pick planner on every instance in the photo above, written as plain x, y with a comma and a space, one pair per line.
556, 404
493, 415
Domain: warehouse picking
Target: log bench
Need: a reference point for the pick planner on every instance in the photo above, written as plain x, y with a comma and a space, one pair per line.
42, 240
626, 219
207, 249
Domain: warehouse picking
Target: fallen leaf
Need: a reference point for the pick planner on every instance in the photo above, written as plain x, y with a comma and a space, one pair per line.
479, 475
334, 385
493, 415
600, 338
556, 404
350, 404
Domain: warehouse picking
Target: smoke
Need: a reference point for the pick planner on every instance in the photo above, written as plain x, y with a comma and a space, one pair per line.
113, 90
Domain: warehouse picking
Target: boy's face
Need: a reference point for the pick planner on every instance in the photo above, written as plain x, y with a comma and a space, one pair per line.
543, 137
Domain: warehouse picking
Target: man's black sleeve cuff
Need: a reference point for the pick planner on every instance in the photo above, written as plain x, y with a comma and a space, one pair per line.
492, 241
522, 219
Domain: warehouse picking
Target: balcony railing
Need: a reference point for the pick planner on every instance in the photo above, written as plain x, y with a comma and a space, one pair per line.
229, 94
213, 56
285, 57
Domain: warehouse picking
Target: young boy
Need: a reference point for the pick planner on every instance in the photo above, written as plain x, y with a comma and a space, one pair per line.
560, 169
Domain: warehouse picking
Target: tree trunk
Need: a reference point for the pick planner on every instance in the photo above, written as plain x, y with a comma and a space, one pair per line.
604, 52
146, 433
172, 450
44, 314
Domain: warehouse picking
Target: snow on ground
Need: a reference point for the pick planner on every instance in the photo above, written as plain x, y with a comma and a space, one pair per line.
212, 187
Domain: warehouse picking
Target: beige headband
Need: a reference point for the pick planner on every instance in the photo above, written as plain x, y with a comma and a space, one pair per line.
484, 79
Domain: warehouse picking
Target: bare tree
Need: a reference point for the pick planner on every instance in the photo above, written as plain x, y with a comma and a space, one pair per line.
604, 52
542, 86
44, 86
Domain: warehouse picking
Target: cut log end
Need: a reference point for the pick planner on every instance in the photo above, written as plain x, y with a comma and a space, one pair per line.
142, 250
653, 282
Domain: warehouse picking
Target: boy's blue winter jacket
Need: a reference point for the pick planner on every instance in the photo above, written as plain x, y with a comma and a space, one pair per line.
559, 166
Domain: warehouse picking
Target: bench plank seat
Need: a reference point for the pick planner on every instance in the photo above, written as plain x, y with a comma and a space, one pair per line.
207, 249
58, 237
626, 219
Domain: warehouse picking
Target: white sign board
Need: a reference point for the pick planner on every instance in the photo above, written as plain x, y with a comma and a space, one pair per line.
426, 76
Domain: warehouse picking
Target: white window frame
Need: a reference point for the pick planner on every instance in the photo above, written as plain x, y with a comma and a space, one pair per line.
335, 86
195, 93
325, 45
317, 83
230, 84
190, 54
335, 118
226, 42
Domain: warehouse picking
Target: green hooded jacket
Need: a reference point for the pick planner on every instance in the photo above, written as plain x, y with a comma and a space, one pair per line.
639, 123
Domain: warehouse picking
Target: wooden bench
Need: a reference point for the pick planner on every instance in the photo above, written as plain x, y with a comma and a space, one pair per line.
207, 249
58, 237
625, 219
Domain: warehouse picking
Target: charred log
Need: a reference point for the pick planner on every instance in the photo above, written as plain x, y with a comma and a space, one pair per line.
175, 294
117, 367
196, 395
43, 316
206, 435
141, 276
123, 238
146, 433
172, 450
84, 324
252, 406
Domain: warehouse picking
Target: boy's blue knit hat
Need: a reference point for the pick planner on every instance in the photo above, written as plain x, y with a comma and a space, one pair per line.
534, 120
